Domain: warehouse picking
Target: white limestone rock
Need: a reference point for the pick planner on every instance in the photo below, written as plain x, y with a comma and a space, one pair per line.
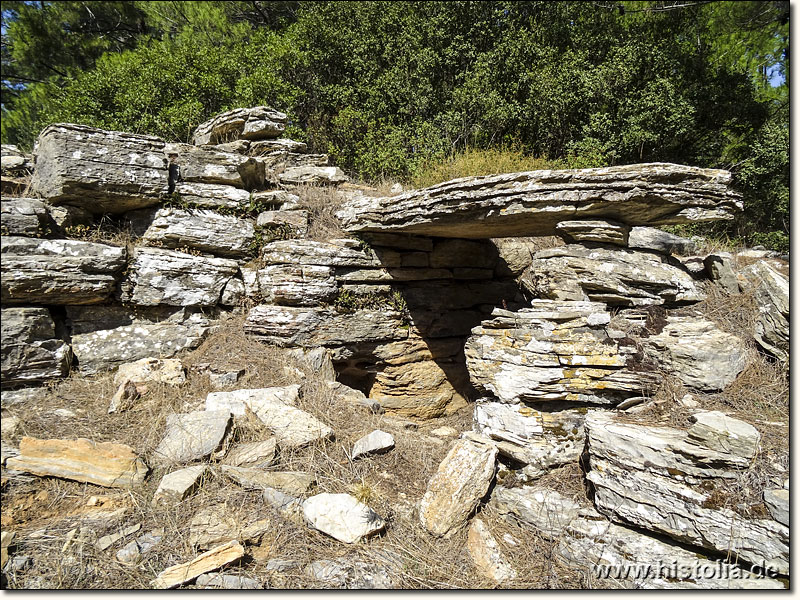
342, 517
157, 370
215, 166
252, 454
192, 436
24, 216
312, 175
178, 485
650, 238
202, 230
296, 483
723, 433
256, 123
297, 285
777, 502
602, 232
213, 196
547, 511
771, 291
377, 442
486, 554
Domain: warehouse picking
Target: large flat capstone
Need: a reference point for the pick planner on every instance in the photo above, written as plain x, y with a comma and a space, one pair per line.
531, 203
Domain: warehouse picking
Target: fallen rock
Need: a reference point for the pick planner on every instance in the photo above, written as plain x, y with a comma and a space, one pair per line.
290, 507
256, 123
176, 279
771, 291
101, 463
26, 217
37, 271
192, 436
227, 582
252, 454
202, 230
178, 485
616, 276
532, 203
718, 431
649, 238
156, 370
100, 171
602, 232
445, 432
486, 555
720, 268
342, 517
461, 480
109, 540
297, 483
547, 511
777, 502
664, 480
132, 552
376, 442
30, 352
311, 175
208, 561
696, 351
239, 401
351, 574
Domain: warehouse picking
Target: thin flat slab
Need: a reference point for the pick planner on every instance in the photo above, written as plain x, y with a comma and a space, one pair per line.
208, 561
531, 203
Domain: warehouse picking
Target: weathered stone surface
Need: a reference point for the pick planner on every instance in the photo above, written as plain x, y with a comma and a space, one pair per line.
29, 349
531, 203
117, 335
100, 463
720, 432
297, 285
192, 436
335, 253
720, 268
603, 232
107, 541
541, 440
777, 502
168, 370
124, 398
13, 160
211, 165
515, 255
342, 517
177, 279
547, 511
293, 220
311, 175
276, 200
552, 351
376, 442
71, 216
100, 171
227, 582
256, 123
296, 483
461, 480
217, 524
291, 426
213, 196
36, 271
252, 454
208, 561
347, 573
486, 555
650, 238
616, 276
279, 160
311, 327
132, 552
700, 354
24, 216
176, 486
771, 291
647, 562
283, 144
203, 230
662, 479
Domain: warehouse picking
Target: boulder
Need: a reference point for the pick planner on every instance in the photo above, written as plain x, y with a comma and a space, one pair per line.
486, 554
311, 175
276, 200
718, 431
203, 230
650, 238
698, 353
36, 271
376, 442
175, 278
555, 350
192, 436
461, 480
208, 561
210, 165
771, 291
670, 482
100, 463
25, 216
256, 123
533, 202
602, 232
280, 160
108, 336
342, 517
616, 276
100, 171
614, 552
238, 402
515, 255
29, 349
334, 253
177, 485
13, 160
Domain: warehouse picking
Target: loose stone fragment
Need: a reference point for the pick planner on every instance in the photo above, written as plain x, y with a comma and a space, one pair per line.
208, 561
341, 516
176, 486
192, 436
486, 555
376, 442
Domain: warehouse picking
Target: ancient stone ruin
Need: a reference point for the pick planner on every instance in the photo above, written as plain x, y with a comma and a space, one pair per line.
432, 301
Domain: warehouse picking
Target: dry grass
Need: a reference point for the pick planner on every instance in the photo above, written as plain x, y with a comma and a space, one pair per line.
321, 202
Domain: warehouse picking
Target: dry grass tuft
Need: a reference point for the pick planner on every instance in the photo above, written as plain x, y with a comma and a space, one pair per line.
322, 202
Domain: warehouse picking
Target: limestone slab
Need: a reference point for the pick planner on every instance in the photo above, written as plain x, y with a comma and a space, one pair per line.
208, 561
192, 436
342, 517
202, 230
256, 123
486, 554
178, 485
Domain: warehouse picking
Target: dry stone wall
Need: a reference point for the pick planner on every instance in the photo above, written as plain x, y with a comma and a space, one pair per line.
421, 311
